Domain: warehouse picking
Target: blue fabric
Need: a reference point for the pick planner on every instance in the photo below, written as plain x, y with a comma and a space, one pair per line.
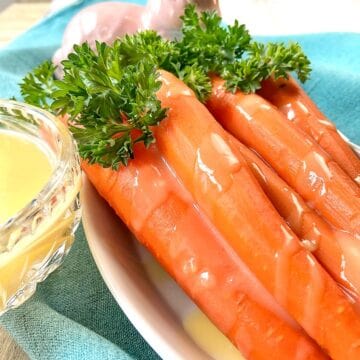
73, 315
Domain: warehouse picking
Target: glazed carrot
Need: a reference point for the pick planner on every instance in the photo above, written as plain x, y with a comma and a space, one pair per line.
217, 176
329, 246
292, 100
161, 214
293, 154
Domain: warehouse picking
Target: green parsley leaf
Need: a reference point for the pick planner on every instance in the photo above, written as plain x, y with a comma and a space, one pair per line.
106, 96
207, 43
229, 52
38, 85
146, 45
264, 61
196, 79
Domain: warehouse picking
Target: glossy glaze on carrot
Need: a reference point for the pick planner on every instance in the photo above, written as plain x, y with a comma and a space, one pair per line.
216, 174
288, 96
300, 161
160, 212
327, 244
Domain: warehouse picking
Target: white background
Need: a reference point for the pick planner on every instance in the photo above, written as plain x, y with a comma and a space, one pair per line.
273, 17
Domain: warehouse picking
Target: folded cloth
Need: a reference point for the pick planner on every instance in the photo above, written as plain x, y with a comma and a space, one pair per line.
73, 315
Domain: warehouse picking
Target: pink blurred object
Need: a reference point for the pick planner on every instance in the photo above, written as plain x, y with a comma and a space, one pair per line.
107, 21
164, 15
104, 22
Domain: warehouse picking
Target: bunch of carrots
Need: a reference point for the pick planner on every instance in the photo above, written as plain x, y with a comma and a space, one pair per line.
249, 199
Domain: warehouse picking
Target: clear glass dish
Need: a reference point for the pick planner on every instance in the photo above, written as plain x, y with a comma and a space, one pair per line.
34, 242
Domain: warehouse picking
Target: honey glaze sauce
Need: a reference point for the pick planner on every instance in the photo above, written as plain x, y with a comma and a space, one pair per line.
25, 168
209, 338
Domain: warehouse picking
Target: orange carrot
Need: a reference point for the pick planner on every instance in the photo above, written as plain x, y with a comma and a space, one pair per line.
293, 154
328, 245
216, 174
291, 99
161, 214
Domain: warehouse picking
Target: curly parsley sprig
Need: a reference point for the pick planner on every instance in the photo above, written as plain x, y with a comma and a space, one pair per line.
110, 92
263, 61
207, 43
38, 85
230, 52
106, 98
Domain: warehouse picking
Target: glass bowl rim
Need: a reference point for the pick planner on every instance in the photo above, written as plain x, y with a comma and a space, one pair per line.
63, 162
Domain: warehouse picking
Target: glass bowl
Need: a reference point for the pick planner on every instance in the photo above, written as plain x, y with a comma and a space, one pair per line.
34, 242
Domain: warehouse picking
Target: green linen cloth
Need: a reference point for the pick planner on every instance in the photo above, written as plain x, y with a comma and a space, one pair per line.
73, 315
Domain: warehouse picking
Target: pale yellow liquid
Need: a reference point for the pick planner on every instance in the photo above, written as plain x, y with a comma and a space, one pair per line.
25, 167
209, 338
24, 170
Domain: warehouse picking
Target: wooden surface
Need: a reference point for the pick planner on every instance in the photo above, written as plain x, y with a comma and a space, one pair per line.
9, 350
15, 19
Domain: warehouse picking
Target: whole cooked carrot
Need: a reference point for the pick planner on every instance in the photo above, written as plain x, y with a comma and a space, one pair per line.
292, 100
293, 154
216, 174
337, 251
161, 214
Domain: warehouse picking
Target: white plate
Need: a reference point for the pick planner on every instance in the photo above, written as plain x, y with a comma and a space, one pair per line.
152, 301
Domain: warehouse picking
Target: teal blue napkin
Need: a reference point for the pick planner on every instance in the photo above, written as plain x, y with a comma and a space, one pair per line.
73, 315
